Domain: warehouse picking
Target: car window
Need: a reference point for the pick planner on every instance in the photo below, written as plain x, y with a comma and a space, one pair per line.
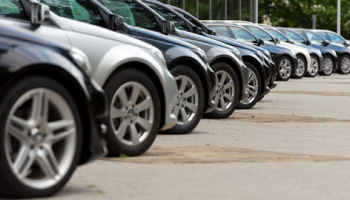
242, 35
11, 9
336, 38
314, 37
324, 35
191, 19
133, 13
277, 35
179, 23
80, 10
293, 36
259, 33
221, 30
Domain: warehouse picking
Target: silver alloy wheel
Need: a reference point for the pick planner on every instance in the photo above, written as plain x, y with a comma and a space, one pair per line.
345, 65
285, 68
187, 100
40, 138
314, 66
225, 91
132, 113
327, 66
252, 88
301, 67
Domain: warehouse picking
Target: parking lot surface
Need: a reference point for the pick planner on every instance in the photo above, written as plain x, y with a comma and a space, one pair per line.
294, 144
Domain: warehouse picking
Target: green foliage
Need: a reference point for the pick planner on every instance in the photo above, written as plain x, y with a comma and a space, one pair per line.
298, 13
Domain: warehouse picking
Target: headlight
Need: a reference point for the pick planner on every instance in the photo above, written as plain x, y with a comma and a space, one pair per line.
81, 60
202, 55
159, 55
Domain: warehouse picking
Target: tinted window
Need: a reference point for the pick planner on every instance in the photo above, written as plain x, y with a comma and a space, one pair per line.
259, 33
336, 38
12, 9
277, 35
242, 35
133, 13
191, 19
179, 23
293, 36
324, 35
314, 37
80, 10
221, 30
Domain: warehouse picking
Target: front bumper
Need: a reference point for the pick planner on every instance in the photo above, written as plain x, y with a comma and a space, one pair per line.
295, 65
320, 69
273, 73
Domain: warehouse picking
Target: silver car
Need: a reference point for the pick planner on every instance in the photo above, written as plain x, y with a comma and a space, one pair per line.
140, 89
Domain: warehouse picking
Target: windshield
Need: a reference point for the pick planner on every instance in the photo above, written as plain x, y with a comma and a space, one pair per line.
80, 10
242, 35
12, 9
293, 36
133, 13
221, 30
259, 33
190, 18
179, 23
336, 38
313, 37
277, 35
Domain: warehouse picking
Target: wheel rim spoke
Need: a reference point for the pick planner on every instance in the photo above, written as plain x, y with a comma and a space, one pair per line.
134, 135
223, 77
40, 107
184, 116
28, 164
223, 104
117, 113
122, 130
20, 135
146, 104
58, 137
21, 158
191, 92
54, 126
45, 165
228, 85
144, 123
123, 97
191, 106
184, 81
135, 93
51, 157
228, 97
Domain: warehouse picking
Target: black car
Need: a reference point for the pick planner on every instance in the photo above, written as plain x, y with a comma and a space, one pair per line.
331, 65
284, 58
51, 114
252, 58
327, 53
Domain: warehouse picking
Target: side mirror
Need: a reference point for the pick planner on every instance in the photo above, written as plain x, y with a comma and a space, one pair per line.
308, 42
198, 30
168, 27
116, 22
291, 41
326, 42
211, 32
40, 13
347, 43
261, 41
278, 41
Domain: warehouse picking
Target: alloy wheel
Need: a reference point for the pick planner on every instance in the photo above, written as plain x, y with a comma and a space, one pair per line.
327, 66
252, 88
301, 67
285, 68
314, 66
225, 91
345, 64
40, 138
187, 100
132, 113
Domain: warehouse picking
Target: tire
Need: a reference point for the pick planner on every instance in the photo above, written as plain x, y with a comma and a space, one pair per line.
286, 65
134, 121
261, 97
232, 91
15, 109
192, 84
315, 66
344, 65
254, 79
328, 66
301, 68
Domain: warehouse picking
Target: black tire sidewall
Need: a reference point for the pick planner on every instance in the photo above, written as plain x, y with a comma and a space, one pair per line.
116, 147
13, 187
279, 77
305, 65
252, 104
179, 70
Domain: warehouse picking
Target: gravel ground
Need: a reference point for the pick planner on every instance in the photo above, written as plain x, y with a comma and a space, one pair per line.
294, 144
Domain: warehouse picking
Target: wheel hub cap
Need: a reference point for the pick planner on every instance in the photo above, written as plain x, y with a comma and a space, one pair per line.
225, 91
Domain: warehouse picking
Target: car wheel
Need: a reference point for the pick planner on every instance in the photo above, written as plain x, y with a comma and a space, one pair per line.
227, 92
314, 67
284, 69
328, 65
261, 97
301, 68
41, 137
190, 100
344, 67
253, 88
134, 116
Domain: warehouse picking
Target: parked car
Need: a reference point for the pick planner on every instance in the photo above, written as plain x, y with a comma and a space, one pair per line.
285, 59
52, 112
209, 32
141, 91
315, 54
331, 64
233, 76
253, 59
328, 53
335, 39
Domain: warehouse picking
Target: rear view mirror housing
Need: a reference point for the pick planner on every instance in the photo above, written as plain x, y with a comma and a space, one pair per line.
116, 22
198, 30
347, 43
211, 32
291, 41
308, 42
261, 41
168, 27
40, 13
278, 41
326, 42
